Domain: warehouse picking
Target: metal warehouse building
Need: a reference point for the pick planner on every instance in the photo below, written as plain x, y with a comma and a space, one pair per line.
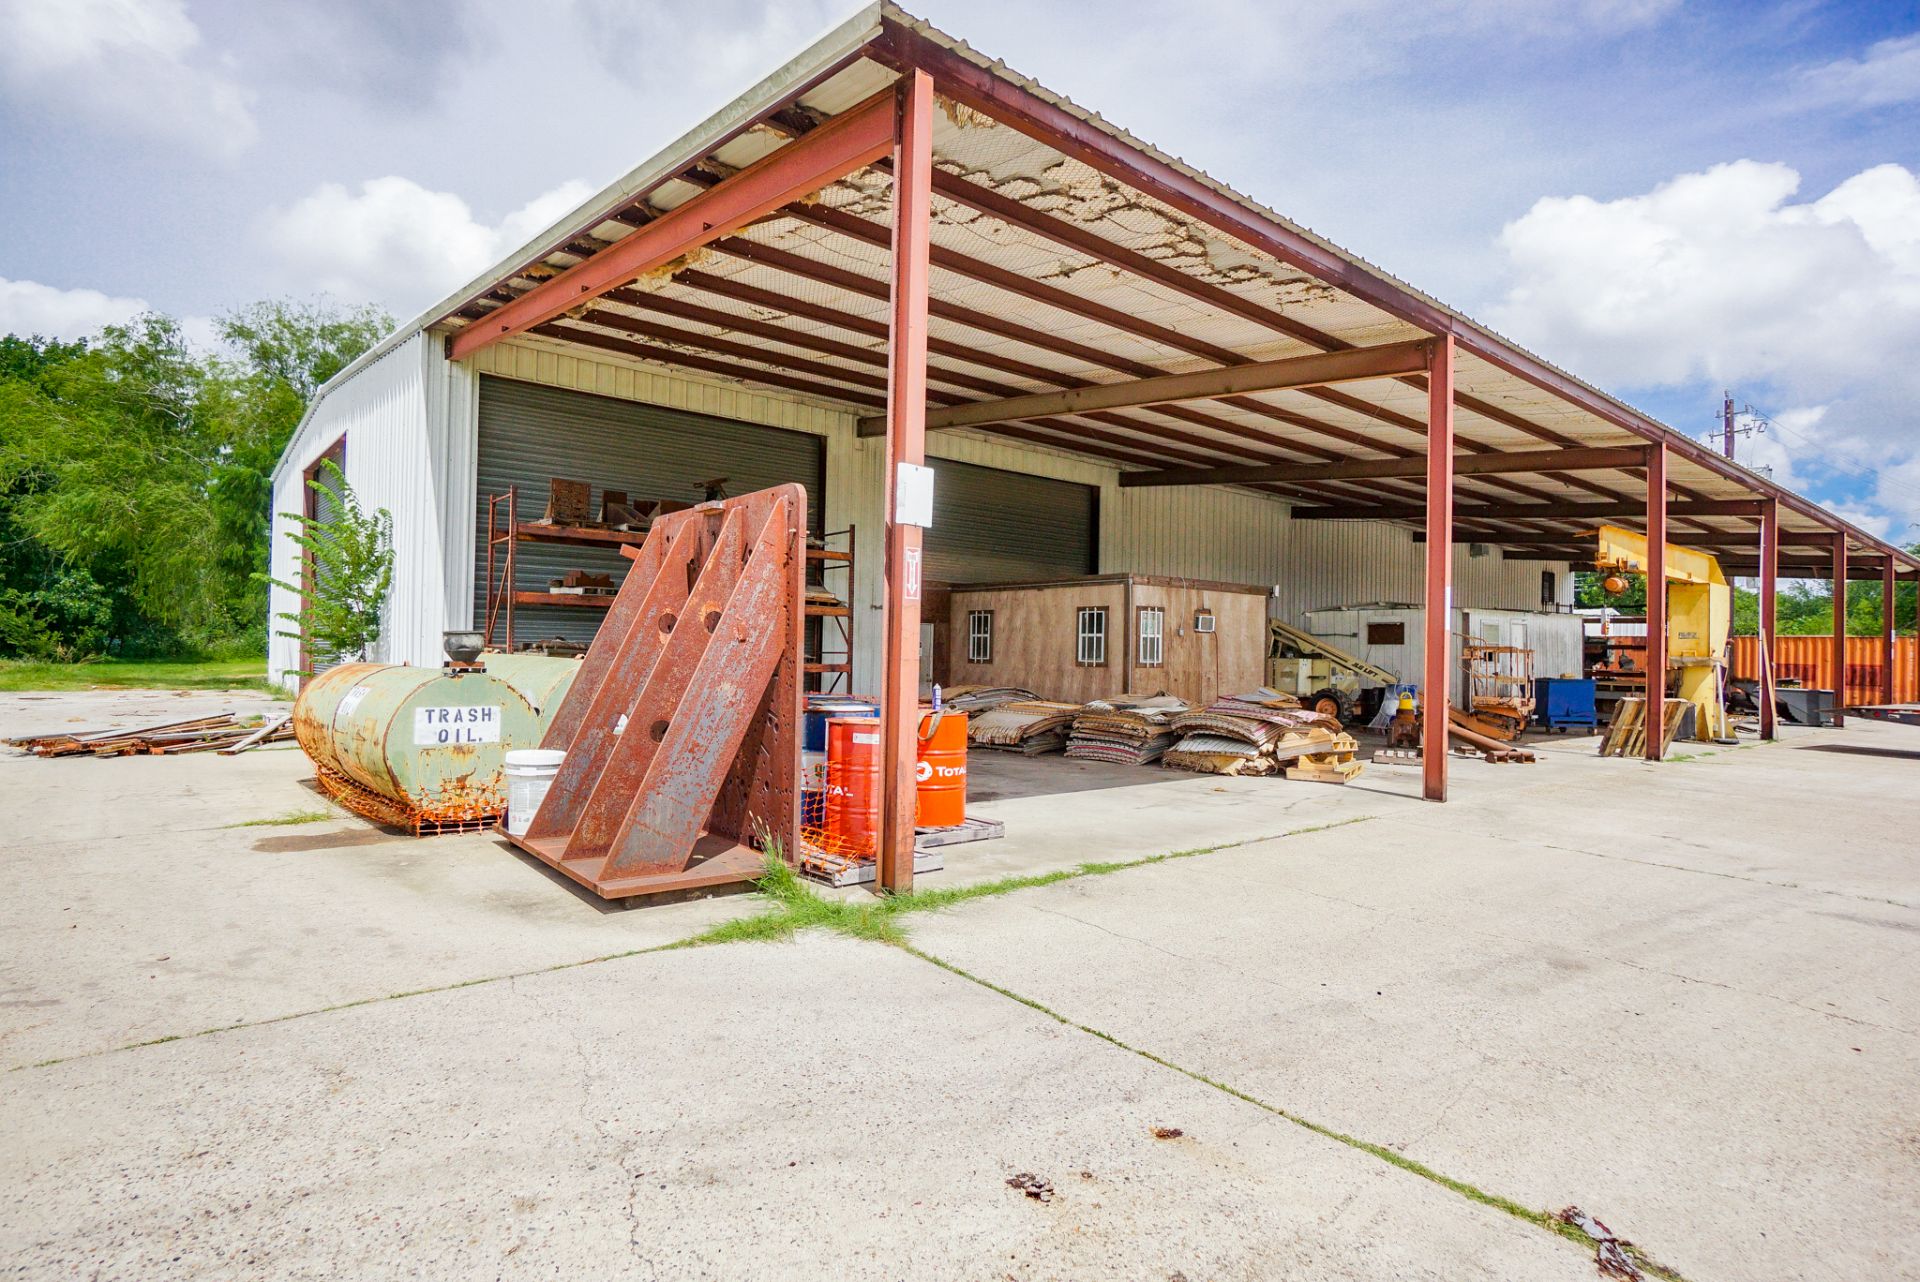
895, 250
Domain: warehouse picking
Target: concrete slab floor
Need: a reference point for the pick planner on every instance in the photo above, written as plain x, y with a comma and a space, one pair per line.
815, 1109
1695, 1011
135, 912
1680, 996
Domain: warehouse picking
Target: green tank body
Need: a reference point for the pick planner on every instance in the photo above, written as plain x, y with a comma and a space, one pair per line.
425, 747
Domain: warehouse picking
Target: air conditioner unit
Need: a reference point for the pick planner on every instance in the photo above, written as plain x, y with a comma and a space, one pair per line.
1203, 621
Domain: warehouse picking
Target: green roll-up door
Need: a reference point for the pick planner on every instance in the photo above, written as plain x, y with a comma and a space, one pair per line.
530, 434
992, 526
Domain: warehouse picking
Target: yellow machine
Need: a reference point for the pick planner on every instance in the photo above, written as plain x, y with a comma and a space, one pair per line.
1699, 620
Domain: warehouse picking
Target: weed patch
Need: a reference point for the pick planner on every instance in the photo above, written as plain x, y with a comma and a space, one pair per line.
286, 820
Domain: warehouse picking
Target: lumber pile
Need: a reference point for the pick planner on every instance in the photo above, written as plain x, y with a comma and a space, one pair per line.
1627, 733
1263, 733
224, 733
1030, 726
1125, 730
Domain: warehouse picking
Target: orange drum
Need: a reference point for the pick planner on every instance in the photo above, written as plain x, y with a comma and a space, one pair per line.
941, 800
853, 783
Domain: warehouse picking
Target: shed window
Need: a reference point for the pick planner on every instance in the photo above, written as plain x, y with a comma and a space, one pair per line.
1549, 588
1386, 634
1090, 637
1153, 630
979, 636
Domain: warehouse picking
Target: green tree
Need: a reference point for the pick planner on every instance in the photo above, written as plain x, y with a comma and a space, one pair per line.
349, 571
1589, 592
280, 353
135, 472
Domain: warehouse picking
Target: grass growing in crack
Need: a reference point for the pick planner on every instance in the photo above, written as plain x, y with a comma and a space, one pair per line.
794, 906
1542, 1219
291, 817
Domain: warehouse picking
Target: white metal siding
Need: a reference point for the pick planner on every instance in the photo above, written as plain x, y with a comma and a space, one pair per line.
391, 464
1555, 639
427, 473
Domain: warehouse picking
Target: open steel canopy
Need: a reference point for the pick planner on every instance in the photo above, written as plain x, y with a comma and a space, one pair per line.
1092, 295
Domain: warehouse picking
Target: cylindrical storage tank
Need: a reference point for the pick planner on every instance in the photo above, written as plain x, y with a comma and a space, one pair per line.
414, 747
940, 800
542, 679
853, 785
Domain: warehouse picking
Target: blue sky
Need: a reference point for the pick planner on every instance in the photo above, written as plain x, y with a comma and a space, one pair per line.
1666, 197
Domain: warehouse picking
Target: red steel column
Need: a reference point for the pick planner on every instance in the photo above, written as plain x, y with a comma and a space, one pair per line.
1839, 630
1435, 695
1769, 613
1886, 631
906, 443
1656, 599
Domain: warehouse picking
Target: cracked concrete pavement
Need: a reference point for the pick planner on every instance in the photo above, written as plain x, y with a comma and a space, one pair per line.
1681, 997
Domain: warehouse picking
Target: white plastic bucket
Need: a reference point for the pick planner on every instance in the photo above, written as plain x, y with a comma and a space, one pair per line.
530, 773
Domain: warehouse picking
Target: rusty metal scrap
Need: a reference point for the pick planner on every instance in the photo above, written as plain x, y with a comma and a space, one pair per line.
681, 728
1610, 1253
1037, 1187
222, 732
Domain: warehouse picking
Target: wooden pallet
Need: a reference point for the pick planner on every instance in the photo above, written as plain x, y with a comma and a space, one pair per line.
1338, 762
1627, 732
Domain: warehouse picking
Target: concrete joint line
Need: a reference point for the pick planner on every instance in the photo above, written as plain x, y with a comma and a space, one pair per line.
1472, 1193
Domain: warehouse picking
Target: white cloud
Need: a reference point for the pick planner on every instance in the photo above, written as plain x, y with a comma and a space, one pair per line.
1716, 276
129, 65
1722, 278
1889, 73
397, 243
28, 308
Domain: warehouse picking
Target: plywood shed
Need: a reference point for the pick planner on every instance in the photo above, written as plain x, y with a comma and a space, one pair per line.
1087, 638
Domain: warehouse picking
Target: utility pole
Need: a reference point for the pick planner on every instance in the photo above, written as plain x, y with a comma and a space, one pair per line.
1726, 424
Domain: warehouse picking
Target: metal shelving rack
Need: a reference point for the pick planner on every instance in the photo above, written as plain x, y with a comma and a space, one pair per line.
504, 534
829, 659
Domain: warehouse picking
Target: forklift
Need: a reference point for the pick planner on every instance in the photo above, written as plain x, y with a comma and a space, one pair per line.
1323, 677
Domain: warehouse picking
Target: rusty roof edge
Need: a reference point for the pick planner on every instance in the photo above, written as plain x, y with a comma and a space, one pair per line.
844, 40
1482, 341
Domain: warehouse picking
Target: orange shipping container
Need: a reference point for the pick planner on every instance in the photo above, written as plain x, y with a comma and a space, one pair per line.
1809, 660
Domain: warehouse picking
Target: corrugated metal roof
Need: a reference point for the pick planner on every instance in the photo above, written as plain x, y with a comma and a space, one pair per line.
1051, 273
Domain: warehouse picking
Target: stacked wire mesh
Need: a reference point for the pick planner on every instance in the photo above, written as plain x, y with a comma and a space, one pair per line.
1259, 733
1125, 730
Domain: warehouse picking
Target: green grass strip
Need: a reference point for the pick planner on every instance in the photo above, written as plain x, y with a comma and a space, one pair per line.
281, 821
794, 906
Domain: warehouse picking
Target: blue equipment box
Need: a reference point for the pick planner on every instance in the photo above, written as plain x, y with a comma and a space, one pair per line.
1559, 702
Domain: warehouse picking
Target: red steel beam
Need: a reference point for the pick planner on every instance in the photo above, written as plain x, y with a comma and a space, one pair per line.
1531, 511
809, 269
1656, 705
1368, 469
1086, 241
1769, 614
1321, 368
1741, 539
817, 272
852, 139
989, 93
1886, 631
1839, 630
906, 445
1435, 695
